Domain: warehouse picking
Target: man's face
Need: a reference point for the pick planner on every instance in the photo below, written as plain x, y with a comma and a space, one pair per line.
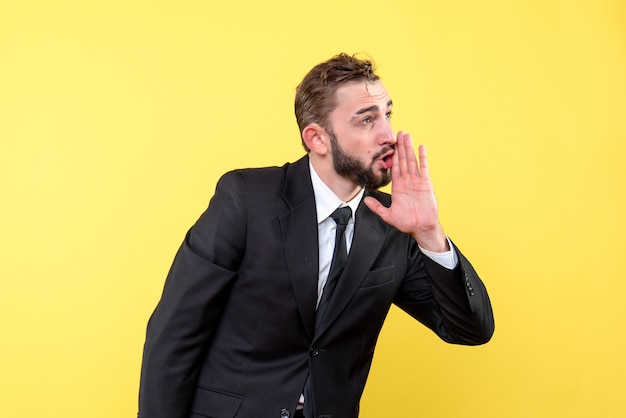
361, 138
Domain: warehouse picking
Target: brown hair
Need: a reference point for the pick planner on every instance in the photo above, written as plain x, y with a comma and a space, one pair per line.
315, 96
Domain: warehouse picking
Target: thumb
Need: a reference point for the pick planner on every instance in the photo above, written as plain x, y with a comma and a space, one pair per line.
376, 207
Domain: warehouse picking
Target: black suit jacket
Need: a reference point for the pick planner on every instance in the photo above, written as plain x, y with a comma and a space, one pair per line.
233, 334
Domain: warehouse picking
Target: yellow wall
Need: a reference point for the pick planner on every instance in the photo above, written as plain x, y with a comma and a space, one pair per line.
117, 118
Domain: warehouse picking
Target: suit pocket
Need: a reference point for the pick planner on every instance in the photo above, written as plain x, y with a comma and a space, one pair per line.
211, 404
378, 277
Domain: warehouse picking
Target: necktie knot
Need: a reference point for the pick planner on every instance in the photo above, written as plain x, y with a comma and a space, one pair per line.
342, 215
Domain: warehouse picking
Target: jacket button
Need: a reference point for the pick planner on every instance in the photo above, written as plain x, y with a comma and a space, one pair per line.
314, 351
284, 413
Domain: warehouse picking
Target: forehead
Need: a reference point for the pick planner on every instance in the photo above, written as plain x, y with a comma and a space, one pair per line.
358, 94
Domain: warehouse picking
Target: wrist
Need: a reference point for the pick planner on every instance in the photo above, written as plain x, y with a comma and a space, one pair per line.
432, 239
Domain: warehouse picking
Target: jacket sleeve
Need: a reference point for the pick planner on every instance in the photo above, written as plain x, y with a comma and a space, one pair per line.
453, 303
194, 294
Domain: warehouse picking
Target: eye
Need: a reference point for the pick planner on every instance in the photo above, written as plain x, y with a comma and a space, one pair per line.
366, 120
388, 115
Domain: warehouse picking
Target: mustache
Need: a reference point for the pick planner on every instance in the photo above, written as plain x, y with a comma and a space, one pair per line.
382, 152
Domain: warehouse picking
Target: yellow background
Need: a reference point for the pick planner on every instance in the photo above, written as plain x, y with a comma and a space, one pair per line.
118, 117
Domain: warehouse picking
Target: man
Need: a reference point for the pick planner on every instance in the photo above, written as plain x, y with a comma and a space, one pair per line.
262, 315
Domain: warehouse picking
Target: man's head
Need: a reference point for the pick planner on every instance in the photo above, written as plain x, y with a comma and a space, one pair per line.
316, 94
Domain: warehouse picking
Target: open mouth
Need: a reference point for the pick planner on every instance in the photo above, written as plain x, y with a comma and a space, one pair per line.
386, 160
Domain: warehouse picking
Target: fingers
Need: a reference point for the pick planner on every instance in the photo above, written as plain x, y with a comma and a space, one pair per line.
410, 155
376, 207
405, 154
423, 162
401, 152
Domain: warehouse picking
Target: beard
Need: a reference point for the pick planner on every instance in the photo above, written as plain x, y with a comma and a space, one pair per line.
355, 170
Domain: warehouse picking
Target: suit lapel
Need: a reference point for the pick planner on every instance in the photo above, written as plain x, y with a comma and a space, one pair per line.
369, 236
299, 232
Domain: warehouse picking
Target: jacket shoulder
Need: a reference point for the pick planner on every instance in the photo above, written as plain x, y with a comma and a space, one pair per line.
291, 180
263, 175
254, 178
382, 197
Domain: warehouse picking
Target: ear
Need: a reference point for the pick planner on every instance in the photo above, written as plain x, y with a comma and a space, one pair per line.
316, 138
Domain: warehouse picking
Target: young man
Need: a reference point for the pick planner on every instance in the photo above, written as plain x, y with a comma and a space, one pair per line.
276, 298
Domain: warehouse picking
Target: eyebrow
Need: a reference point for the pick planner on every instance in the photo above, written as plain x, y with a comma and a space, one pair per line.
373, 108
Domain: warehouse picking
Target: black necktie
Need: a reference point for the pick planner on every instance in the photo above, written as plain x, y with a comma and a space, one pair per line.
341, 217
340, 254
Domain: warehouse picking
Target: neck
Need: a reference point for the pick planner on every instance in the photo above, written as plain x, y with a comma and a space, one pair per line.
345, 189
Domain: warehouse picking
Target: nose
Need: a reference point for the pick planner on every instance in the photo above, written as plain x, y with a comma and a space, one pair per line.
386, 135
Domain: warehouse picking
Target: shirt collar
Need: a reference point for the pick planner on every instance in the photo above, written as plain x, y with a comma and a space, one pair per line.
326, 201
